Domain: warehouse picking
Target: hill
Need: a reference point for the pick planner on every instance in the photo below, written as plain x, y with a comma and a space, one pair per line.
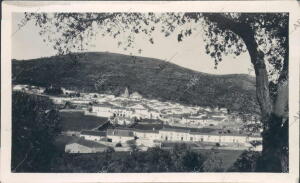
152, 78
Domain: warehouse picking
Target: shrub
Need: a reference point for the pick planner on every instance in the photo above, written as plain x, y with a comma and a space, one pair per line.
118, 144
247, 162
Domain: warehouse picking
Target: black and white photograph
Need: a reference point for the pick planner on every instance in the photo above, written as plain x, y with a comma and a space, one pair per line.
151, 91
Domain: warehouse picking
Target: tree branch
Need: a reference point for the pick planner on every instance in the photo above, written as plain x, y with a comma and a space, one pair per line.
257, 58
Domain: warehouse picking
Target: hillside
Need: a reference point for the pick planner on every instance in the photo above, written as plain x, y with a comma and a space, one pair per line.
152, 78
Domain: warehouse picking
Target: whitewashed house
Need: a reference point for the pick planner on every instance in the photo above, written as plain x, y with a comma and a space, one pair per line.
20, 87
80, 101
77, 148
140, 111
223, 138
123, 112
92, 135
146, 137
154, 115
122, 120
84, 146
103, 110
174, 134
135, 95
66, 91
120, 135
254, 138
146, 134
59, 100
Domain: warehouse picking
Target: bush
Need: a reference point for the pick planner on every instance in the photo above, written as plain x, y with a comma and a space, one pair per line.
53, 91
118, 144
109, 150
213, 164
247, 162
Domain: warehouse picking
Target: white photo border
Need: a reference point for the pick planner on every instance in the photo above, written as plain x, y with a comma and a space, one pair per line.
292, 7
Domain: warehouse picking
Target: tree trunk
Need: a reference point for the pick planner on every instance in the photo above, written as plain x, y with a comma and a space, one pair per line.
275, 126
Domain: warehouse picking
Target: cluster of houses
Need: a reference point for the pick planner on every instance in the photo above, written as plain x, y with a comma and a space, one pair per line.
172, 114
137, 111
27, 88
151, 138
126, 108
124, 115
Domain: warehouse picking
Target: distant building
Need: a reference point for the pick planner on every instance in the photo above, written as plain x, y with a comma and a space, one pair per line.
59, 100
146, 134
154, 115
80, 101
123, 120
120, 135
174, 134
92, 135
20, 87
66, 91
194, 121
109, 110
136, 95
152, 138
84, 146
126, 93
146, 138
38, 90
223, 109
123, 112
103, 110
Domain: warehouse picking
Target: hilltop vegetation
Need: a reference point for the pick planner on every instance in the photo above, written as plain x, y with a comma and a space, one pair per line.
152, 78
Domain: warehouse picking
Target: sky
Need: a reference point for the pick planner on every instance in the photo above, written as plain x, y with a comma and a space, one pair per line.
190, 53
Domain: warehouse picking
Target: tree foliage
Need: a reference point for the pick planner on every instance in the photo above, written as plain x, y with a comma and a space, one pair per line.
53, 91
35, 125
213, 163
247, 162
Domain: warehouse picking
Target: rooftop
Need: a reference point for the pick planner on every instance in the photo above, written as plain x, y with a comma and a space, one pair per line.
120, 132
176, 130
146, 131
87, 143
94, 133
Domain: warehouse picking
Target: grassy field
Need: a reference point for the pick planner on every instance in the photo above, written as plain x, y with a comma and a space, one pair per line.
77, 121
228, 156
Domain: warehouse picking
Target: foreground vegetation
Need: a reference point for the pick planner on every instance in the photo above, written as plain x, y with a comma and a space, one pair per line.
180, 159
215, 160
35, 125
38, 147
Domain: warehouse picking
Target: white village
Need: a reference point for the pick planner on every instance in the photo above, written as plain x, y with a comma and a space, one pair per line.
135, 121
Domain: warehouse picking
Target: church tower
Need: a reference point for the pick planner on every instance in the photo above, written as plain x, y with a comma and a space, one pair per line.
126, 93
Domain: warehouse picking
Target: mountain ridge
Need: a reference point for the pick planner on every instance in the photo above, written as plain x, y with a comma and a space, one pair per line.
111, 73
141, 57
